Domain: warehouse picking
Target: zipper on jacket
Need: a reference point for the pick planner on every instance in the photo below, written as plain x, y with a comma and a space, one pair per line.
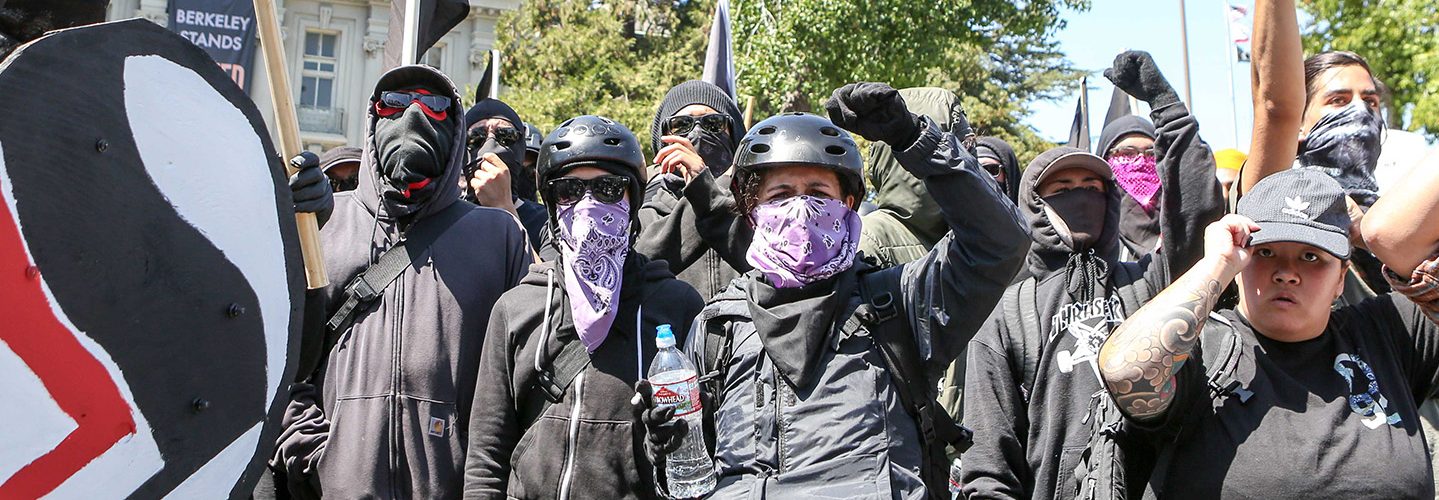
395, 426
569, 470
779, 420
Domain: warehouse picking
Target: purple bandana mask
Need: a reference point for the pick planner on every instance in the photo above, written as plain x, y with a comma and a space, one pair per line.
594, 240
802, 239
1138, 177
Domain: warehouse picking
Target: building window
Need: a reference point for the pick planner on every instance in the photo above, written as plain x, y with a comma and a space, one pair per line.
434, 57
317, 80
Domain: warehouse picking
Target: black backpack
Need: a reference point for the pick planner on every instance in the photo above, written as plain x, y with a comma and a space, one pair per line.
880, 315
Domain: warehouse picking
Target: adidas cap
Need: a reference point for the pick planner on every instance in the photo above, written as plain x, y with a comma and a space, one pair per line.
1300, 205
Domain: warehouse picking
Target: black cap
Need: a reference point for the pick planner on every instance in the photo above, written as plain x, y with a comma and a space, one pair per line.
338, 156
1301, 206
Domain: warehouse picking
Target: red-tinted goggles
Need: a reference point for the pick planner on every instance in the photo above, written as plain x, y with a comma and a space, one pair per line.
394, 101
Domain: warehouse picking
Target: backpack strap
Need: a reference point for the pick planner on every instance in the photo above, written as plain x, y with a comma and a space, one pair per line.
1021, 310
877, 313
367, 287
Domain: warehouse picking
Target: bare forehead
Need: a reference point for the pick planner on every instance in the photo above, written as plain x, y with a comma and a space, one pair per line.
1348, 79
802, 175
491, 124
695, 110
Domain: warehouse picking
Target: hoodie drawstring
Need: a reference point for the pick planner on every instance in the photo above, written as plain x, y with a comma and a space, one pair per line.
639, 344
1090, 269
545, 325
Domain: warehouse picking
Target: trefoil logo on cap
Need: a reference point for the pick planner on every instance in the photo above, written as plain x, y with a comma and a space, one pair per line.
1296, 206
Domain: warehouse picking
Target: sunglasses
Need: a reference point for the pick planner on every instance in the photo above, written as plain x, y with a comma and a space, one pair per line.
401, 100
713, 123
1130, 151
504, 136
606, 189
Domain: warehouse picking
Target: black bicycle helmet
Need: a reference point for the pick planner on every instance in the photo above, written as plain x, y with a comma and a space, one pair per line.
533, 138
800, 139
593, 141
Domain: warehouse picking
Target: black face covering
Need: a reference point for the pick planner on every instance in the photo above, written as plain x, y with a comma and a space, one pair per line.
1078, 215
412, 150
717, 150
1346, 144
522, 180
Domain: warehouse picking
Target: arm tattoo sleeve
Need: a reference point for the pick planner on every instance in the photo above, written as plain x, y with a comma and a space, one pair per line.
1140, 359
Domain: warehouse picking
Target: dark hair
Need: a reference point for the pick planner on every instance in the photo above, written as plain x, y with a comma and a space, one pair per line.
745, 188
1324, 61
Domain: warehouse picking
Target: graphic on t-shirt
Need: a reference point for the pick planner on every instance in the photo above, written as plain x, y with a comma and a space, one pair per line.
1364, 396
1089, 323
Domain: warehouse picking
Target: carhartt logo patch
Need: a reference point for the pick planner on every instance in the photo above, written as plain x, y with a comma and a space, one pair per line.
437, 427
1296, 206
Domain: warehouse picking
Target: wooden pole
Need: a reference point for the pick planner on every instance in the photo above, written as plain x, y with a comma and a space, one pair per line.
289, 128
749, 112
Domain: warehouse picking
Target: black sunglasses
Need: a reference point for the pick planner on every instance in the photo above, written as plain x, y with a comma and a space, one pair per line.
713, 123
504, 136
402, 100
606, 189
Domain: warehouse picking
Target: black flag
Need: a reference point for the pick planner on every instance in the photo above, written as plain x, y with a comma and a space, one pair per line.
1118, 107
1079, 129
437, 17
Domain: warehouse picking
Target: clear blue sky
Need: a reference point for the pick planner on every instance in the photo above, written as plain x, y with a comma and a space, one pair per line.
1092, 39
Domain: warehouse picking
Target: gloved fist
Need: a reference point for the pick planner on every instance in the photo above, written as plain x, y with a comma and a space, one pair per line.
663, 432
876, 112
309, 187
1135, 73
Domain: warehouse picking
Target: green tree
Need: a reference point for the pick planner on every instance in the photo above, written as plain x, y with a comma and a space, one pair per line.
1399, 38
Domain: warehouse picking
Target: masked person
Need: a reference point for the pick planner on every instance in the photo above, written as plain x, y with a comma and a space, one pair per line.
1282, 396
997, 158
533, 138
803, 402
907, 223
341, 167
600, 302
694, 136
1031, 388
385, 416
495, 175
1127, 143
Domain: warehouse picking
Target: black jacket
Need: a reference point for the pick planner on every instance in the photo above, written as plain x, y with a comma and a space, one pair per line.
588, 445
694, 229
1025, 450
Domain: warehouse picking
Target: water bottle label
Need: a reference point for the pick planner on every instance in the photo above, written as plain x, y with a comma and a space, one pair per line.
684, 395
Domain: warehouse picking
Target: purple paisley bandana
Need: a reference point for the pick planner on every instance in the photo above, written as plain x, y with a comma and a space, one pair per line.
1137, 175
594, 240
802, 239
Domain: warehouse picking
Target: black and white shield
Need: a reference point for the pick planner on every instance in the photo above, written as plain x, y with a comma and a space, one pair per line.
150, 276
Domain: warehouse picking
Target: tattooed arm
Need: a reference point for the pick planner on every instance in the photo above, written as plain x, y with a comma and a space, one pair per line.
1139, 361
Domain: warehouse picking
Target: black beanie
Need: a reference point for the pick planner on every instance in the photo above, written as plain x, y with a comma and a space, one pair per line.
1120, 127
485, 109
697, 92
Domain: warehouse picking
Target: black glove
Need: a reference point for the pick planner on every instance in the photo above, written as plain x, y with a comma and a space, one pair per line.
1135, 73
663, 432
309, 187
876, 112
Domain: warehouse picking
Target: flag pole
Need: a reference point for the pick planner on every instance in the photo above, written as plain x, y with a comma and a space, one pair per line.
288, 126
495, 76
1184, 40
411, 33
1231, 54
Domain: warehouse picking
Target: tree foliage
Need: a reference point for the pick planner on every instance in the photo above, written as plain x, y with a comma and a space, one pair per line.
1399, 38
566, 58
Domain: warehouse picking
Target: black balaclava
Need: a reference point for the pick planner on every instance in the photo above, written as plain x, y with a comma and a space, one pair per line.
717, 150
1002, 152
522, 179
412, 149
1345, 144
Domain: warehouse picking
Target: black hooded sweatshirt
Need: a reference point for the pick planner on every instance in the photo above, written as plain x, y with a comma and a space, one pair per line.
1025, 450
390, 420
588, 445
1008, 163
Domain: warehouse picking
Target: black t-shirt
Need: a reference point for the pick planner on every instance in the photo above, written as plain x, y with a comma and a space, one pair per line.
1331, 417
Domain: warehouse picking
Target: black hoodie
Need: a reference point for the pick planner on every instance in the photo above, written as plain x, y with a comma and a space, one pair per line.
588, 444
1025, 450
1008, 163
1138, 229
390, 419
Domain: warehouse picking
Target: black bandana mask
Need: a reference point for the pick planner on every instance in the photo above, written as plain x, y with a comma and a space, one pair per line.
717, 150
522, 180
413, 150
1345, 145
1078, 215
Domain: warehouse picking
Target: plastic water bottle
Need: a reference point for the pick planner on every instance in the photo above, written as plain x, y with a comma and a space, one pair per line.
690, 470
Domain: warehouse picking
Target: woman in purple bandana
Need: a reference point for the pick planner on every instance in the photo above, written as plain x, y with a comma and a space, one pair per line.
565, 347
799, 400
